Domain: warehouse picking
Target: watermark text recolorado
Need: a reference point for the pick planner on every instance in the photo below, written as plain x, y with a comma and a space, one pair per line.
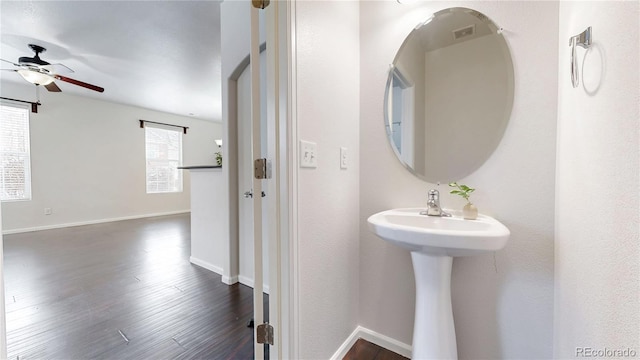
589, 352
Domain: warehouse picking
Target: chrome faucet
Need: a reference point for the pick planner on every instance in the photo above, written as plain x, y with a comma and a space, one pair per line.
433, 205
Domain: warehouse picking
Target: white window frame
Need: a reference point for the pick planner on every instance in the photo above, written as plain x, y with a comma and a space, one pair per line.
171, 162
27, 155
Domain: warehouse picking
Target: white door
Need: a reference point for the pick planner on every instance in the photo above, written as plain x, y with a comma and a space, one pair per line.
245, 177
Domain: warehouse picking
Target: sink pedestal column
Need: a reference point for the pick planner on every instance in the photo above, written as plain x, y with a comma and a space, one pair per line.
434, 335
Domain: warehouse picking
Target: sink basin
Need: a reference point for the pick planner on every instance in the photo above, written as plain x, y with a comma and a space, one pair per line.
434, 242
448, 236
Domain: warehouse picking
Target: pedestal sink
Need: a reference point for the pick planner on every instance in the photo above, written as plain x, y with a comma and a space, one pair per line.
434, 242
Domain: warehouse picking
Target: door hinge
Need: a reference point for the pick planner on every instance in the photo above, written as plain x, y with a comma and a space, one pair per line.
264, 334
260, 4
262, 169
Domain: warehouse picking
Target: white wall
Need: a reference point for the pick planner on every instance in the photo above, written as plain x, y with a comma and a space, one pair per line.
88, 161
327, 109
597, 279
503, 315
207, 236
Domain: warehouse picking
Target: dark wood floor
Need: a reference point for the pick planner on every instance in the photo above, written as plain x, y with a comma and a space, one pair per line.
364, 350
122, 290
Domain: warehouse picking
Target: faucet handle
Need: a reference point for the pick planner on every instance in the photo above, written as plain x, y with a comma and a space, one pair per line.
434, 194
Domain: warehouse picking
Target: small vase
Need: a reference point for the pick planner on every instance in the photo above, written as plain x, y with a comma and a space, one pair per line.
470, 211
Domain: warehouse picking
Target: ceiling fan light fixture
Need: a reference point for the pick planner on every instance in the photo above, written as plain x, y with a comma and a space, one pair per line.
36, 77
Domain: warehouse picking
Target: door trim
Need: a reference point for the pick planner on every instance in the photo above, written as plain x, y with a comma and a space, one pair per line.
290, 291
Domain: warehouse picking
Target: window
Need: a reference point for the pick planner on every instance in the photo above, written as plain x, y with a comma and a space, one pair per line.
15, 174
164, 155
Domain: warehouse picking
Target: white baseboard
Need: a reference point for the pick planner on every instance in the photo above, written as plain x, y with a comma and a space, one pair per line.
229, 280
244, 280
372, 337
207, 265
90, 222
346, 345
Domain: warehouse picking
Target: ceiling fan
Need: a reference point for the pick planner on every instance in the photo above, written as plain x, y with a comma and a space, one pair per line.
39, 72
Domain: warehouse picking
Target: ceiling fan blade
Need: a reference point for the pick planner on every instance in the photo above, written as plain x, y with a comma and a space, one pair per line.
57, 69
10, 62
52, 87
79, 83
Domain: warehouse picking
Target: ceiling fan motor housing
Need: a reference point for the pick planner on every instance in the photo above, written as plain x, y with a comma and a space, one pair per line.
36, 59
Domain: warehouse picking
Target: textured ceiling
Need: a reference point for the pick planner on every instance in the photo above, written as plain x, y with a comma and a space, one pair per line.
161, 55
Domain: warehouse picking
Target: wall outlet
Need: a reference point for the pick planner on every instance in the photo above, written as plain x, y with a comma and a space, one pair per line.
308, 154
48, 211
343, 157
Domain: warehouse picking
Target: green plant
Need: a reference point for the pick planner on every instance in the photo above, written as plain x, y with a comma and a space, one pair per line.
219, 158
462, 190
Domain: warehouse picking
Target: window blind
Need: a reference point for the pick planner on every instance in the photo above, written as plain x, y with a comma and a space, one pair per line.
15, 175
163, 148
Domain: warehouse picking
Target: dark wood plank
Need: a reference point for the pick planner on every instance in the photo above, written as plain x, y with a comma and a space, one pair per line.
385, 354
77, 293
364, 350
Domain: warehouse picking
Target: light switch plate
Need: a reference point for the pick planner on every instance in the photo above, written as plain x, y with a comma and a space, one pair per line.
343, 157
308, 154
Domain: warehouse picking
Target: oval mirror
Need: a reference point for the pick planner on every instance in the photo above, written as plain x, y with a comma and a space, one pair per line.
449, 95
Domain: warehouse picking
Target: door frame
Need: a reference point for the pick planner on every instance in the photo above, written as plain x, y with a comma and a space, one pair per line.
288, 127
283, 240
